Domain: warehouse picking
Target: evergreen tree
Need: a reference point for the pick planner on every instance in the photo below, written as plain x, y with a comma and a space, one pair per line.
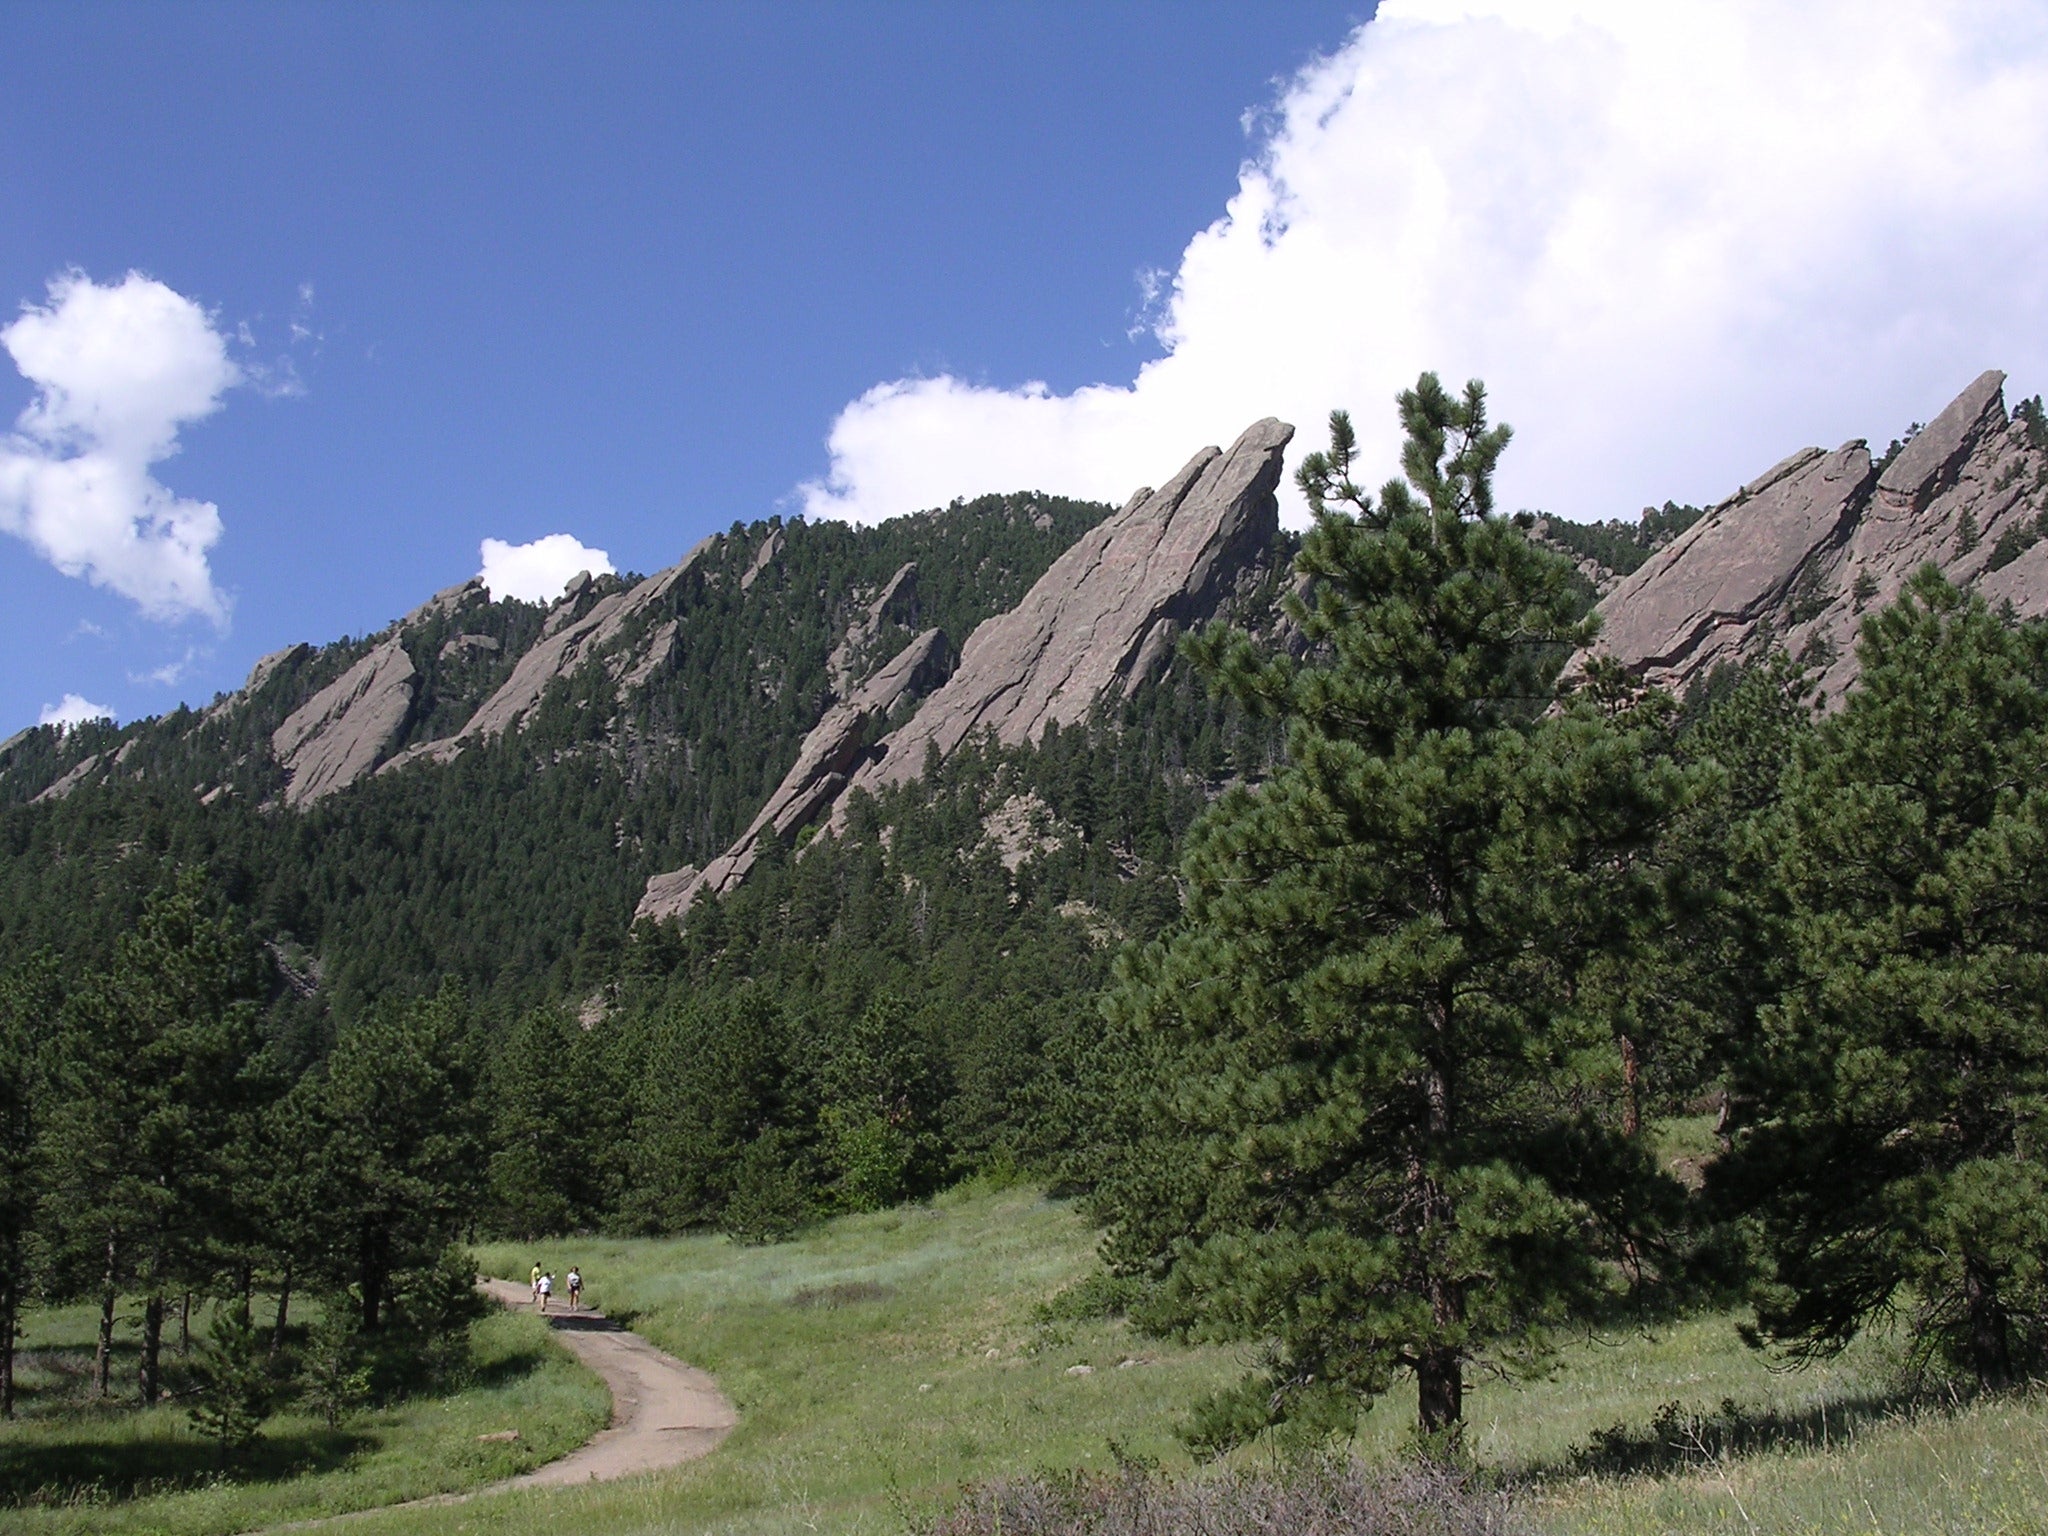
1370, 1143
231, 1384
1890, 1118
556, 1119
156, 1093
29, 1000
402, 1146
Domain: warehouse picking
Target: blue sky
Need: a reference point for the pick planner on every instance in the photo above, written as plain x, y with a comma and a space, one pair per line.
632, 273
609, 270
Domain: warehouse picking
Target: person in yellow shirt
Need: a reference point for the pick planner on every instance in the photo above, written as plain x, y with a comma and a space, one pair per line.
534, 1281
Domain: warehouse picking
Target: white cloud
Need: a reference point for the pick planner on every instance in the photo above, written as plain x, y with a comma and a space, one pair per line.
1677, 241
118, 369
171, 673
537, 572
75, 710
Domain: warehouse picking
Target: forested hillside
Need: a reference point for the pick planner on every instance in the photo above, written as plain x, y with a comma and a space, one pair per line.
1338, 914
515, 866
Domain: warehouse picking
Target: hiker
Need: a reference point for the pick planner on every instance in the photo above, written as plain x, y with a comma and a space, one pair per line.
575, 1288
534, 1281
547, 1285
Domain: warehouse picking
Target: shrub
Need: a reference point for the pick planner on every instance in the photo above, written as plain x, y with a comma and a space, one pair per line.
231, 1382
1315, 1498
334, 1377
770, 1195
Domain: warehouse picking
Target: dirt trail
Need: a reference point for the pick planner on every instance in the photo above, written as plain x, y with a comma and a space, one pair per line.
664, 1412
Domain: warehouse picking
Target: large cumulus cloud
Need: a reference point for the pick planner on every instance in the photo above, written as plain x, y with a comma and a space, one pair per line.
118, 368
1678, 241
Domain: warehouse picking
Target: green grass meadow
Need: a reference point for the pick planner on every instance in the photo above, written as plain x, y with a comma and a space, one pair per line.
880, 1361
70, 1467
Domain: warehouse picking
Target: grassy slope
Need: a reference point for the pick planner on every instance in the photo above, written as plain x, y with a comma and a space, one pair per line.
889, 1357
71, 1468
942, 1376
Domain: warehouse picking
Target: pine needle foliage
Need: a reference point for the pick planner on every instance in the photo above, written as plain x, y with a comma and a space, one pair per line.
1364, 1128
1892, 1107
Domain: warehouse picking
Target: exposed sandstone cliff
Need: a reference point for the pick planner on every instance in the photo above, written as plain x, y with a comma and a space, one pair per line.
1103, 618
582, 627
1098, 623
1797, 556
336, 736
813, 782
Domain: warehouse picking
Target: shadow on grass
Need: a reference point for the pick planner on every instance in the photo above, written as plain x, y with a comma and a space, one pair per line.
86, 1472
57, 1377
1680, 1437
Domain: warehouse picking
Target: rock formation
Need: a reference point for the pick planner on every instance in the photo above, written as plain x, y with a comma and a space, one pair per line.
1103, 618
1098, 623
1797, 556
765, 556
575, 632
74, 776
896, 603
813, 782
336, 737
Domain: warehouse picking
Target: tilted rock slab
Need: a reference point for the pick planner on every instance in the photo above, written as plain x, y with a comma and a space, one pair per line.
896, 603
1778, 564
813, 782
1103, 618
336, 736
568, 640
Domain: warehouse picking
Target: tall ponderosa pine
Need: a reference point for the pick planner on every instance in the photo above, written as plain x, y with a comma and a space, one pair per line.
154, 1102
401, 1161
1375, 1143
1893, 1130
30, 995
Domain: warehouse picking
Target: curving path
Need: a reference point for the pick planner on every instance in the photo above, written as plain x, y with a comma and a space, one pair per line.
664, 1412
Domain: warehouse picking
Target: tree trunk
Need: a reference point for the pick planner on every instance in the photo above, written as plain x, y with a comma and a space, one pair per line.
284, 1306
149, 1376
103, 1355
370, 1275
185, 1326
7, 1311
1440, 1369
1440, 1392
1990, 1354
1631, 1089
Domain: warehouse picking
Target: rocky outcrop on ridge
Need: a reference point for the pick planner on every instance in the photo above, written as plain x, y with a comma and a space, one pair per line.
76, 775
765, 556
581, 627
1797, 556
813, 782
1097, 624
338, 735
1103, 619
896, 603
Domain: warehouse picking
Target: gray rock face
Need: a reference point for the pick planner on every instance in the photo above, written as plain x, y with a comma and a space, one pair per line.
1099, 622
74, 776
896, 603
1795, 558
765, 556
265, 669
1103, 618
336, 736
459, 645
813, 782
572, 635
